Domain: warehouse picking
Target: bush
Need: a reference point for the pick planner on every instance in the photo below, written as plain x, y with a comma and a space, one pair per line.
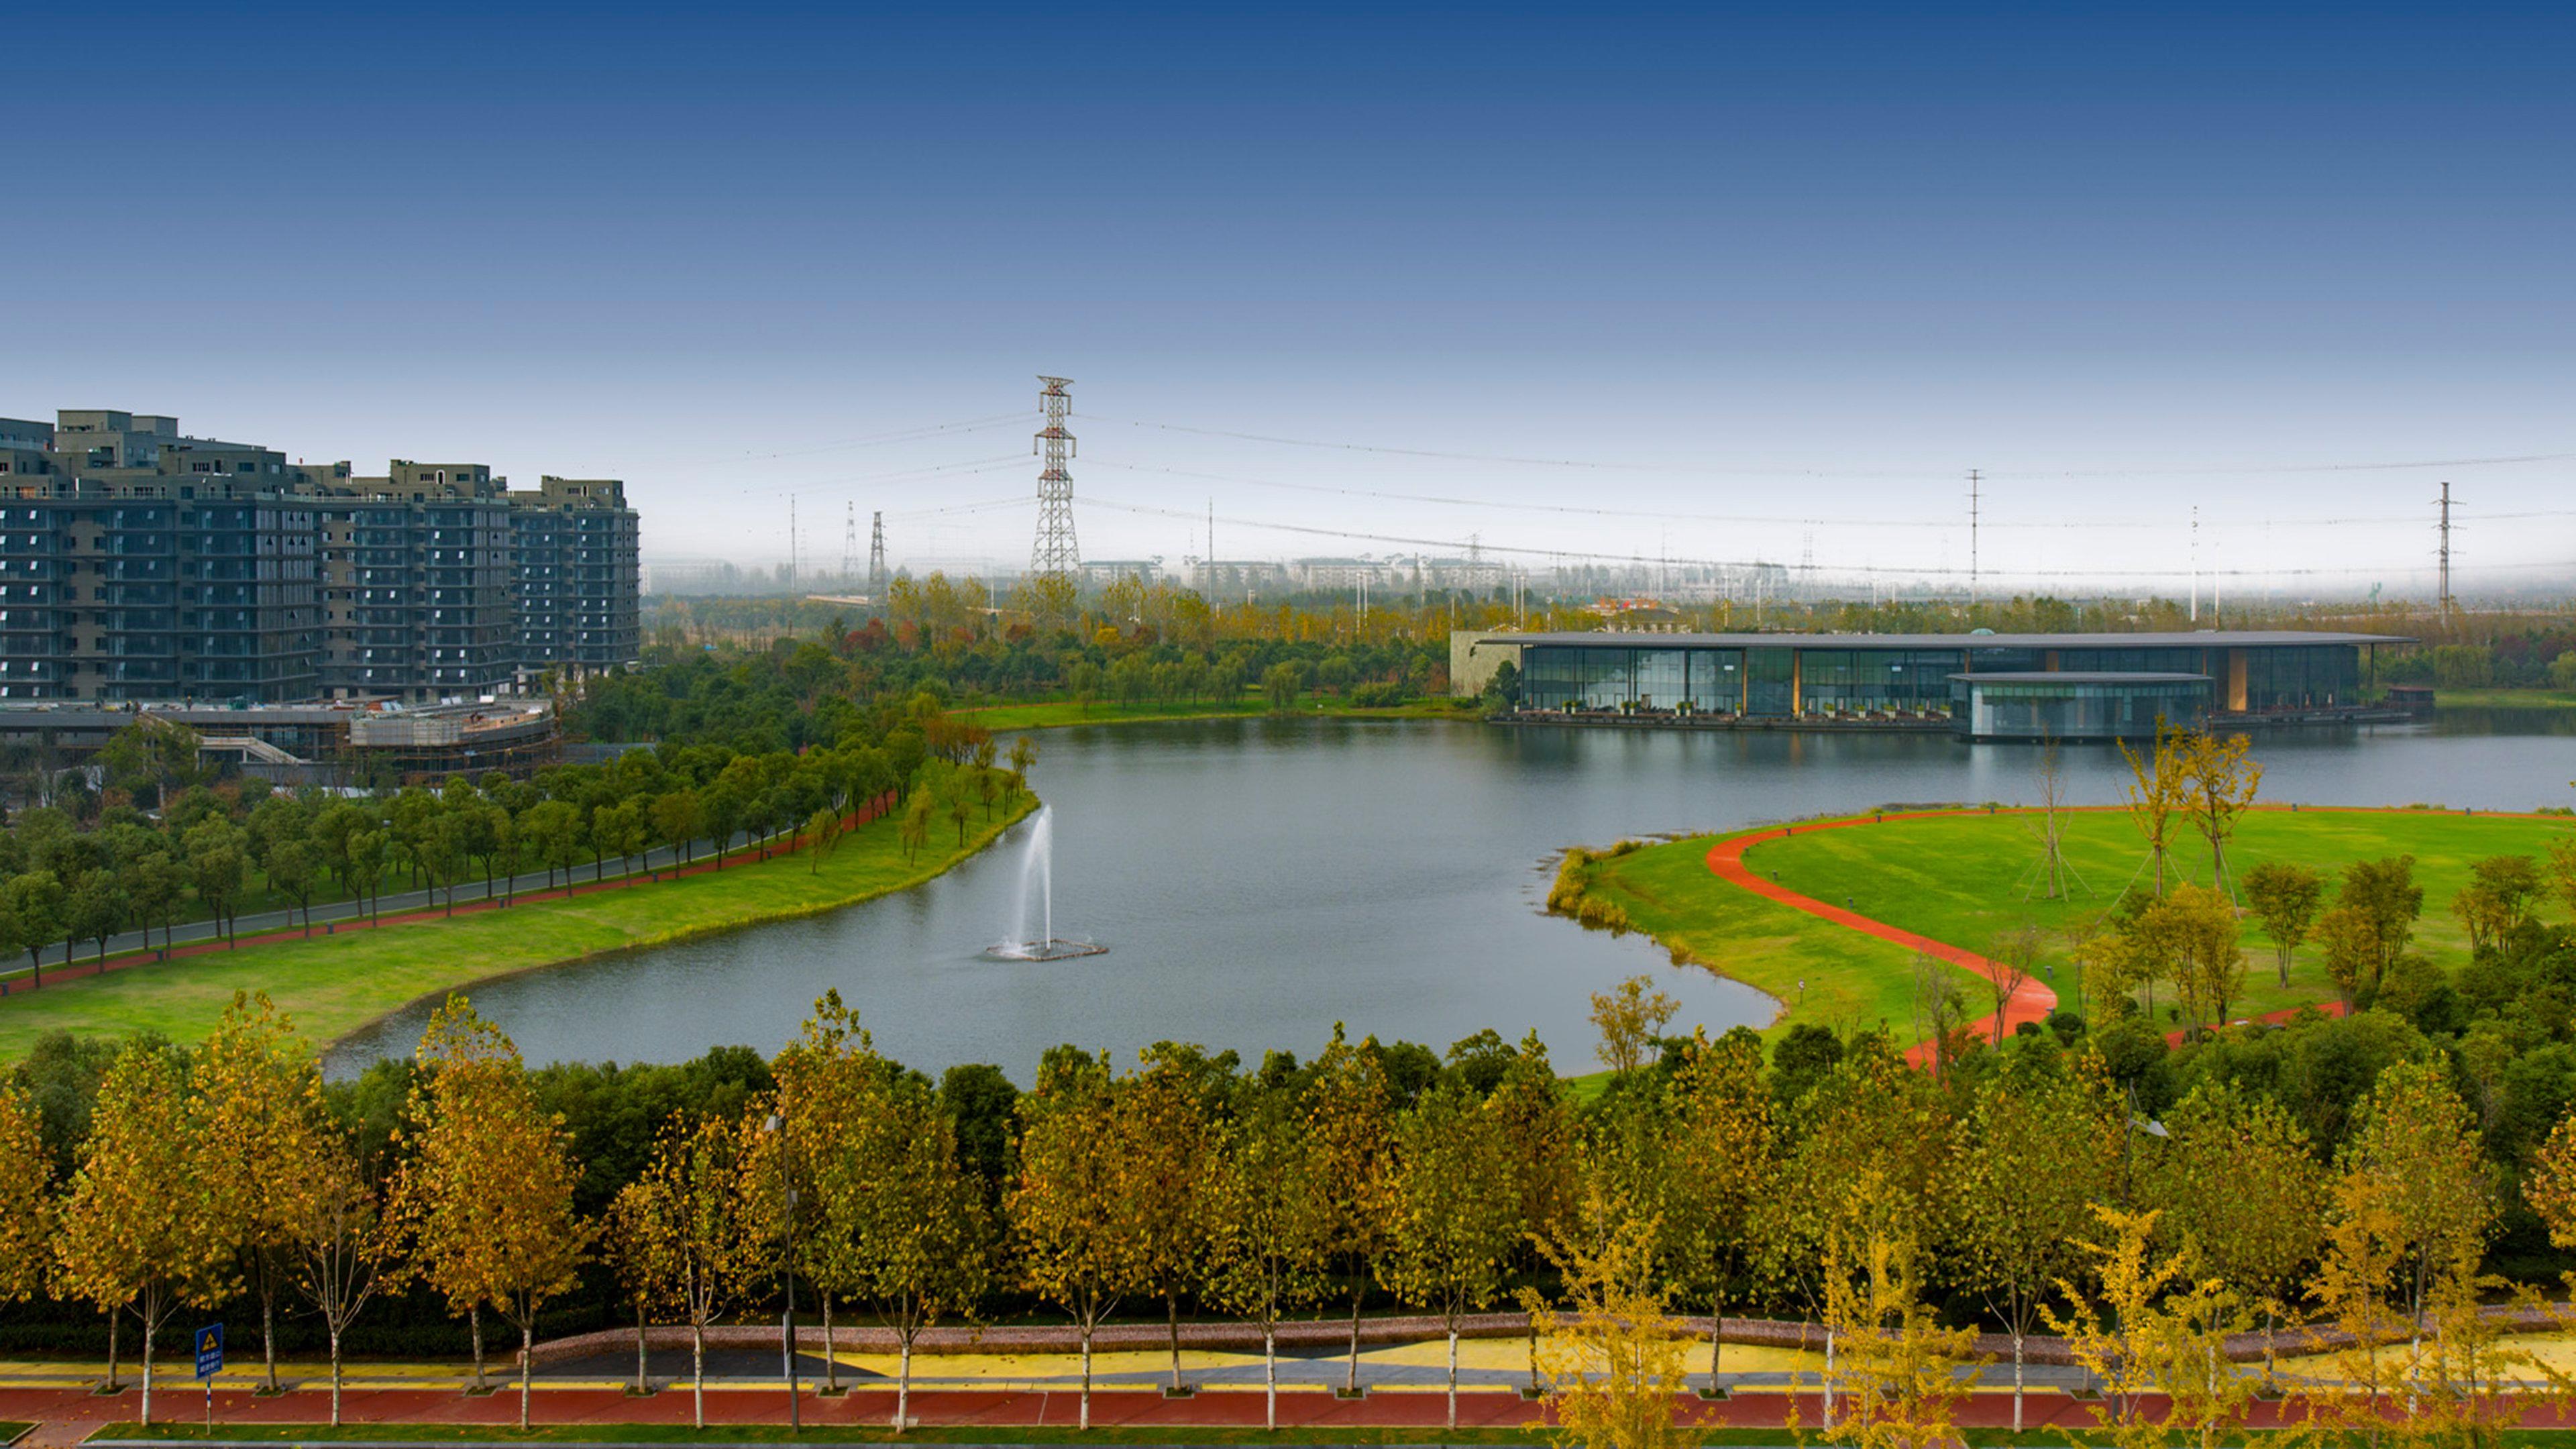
1384, 694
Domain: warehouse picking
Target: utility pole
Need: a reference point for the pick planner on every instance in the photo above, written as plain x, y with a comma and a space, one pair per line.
1055, 555
1975, 478
2446, 549
791, 542
849, 544
876, 558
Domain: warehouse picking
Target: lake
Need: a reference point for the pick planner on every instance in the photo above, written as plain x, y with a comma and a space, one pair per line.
1258, 880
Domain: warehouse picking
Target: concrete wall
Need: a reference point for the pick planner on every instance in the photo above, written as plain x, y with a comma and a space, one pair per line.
1471, 663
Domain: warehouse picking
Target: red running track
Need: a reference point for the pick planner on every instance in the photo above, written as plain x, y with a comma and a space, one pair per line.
2030, 1001
64, 1416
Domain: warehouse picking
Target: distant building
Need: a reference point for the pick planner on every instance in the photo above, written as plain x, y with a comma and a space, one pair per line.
139, 564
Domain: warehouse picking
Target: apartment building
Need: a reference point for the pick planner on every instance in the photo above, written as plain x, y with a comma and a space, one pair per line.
137, 563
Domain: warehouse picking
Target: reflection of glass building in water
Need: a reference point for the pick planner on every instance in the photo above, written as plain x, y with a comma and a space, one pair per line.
1986, 686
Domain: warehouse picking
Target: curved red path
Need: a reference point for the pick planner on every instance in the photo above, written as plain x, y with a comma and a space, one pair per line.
2030, 1001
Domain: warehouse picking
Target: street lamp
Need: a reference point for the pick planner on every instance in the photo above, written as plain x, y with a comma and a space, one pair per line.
787, 1272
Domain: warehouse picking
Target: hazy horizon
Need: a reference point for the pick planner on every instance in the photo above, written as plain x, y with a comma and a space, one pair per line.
1718, 284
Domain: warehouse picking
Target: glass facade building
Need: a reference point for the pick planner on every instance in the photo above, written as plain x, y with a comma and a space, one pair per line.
2074, 706
1918, 677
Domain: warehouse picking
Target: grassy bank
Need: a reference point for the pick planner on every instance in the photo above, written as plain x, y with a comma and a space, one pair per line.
1060, 713
1962, 879
2506, 698
335, 984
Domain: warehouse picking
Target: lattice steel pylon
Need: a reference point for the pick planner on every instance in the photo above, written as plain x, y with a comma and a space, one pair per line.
876, 557
849, 543
1055, 555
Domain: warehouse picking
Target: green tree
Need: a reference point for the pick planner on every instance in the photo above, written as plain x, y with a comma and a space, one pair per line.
2415, 1138
1454, 1212
2285, 899
1718, 1174
1629, 1019
1273, 1223
34, 906
1350, 1123
2237, 1185
218, 863
921, 1242
823, 836
2040, 1146
1281, 683
1166, 1126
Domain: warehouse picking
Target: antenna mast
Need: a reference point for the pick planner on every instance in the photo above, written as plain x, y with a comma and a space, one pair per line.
1055, 554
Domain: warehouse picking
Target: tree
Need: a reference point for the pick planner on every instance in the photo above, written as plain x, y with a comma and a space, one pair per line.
2115, 1336
686, 1228
676, 820
2550, 1186
823, 836
156, 884
1894, 1376
259, 1125
95, 911
1350, 1124
137, 1226
486, 1199
914, 829
1070, 1209
1272, 1216
2388, 901
1454, 1212
218, 865
2497, 900
2195, 929
960, 812
1023, 753
2041, 1146
1281, 683
342, 1251
1720, 1169
26, 1196
1167, 1131
295, 871
2285, 899
553, 829
2219, 781
2361, 1259
2156, 791
34, 904
1629, 1019
2010, 957
921, 1243
1612, 1363
2417, 1141
2237, 1185
2562, 869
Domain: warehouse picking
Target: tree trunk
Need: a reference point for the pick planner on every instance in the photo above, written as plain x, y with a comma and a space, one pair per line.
147, 1369
1716, 1336
1829, 1379
1084, 1422
831, 1361
1352, 1386
268, 1325
474, 1322
335, 1378
1453, 1376
1533, 1354
527, 1352
698, 1373
643, 1383
112, 1326
903, 1385
1269, 1376
2017, 1379
1172, 1317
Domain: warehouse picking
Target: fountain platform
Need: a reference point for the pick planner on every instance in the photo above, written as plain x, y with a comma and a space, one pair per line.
1054, 950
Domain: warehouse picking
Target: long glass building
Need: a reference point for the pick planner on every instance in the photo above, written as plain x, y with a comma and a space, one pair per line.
2065, 686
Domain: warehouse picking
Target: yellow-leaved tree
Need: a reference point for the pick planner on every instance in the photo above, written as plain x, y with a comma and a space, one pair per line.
1273, 1217
26, 1197
1611, 1363
1717, 1173
138, 1231
1350, 1123
260, 1129
1894, 1380
685, 1230
1071, 1211
341, 1249
2238, 1186
484, 1200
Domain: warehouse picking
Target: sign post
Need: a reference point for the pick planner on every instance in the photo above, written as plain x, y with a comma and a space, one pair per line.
210, 1362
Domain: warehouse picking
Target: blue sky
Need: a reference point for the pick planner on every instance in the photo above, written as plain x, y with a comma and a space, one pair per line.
1801, 265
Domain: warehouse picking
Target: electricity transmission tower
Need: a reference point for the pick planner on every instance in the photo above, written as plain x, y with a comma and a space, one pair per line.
2446, 549
876, 558
1055, 554
849, 543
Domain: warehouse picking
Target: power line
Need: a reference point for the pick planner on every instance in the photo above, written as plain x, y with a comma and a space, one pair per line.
2500, 460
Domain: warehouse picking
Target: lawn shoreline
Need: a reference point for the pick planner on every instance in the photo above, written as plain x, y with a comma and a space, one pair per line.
975, 845
152, 989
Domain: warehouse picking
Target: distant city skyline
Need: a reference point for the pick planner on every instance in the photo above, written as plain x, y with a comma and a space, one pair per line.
1763, 285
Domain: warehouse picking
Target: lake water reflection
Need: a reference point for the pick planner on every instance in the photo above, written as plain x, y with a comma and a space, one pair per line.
1258, 880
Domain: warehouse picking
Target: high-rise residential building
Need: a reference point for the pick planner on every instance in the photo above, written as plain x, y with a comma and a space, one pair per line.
137, 563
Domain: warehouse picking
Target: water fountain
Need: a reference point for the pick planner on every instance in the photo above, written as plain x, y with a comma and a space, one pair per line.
1033, 936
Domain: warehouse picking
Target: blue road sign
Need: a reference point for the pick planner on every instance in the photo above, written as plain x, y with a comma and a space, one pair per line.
210, 1350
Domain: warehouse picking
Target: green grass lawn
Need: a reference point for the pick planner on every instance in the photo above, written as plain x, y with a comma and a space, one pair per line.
1060, 713
1670, 894
2507, 698
1963, 879
335, 984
